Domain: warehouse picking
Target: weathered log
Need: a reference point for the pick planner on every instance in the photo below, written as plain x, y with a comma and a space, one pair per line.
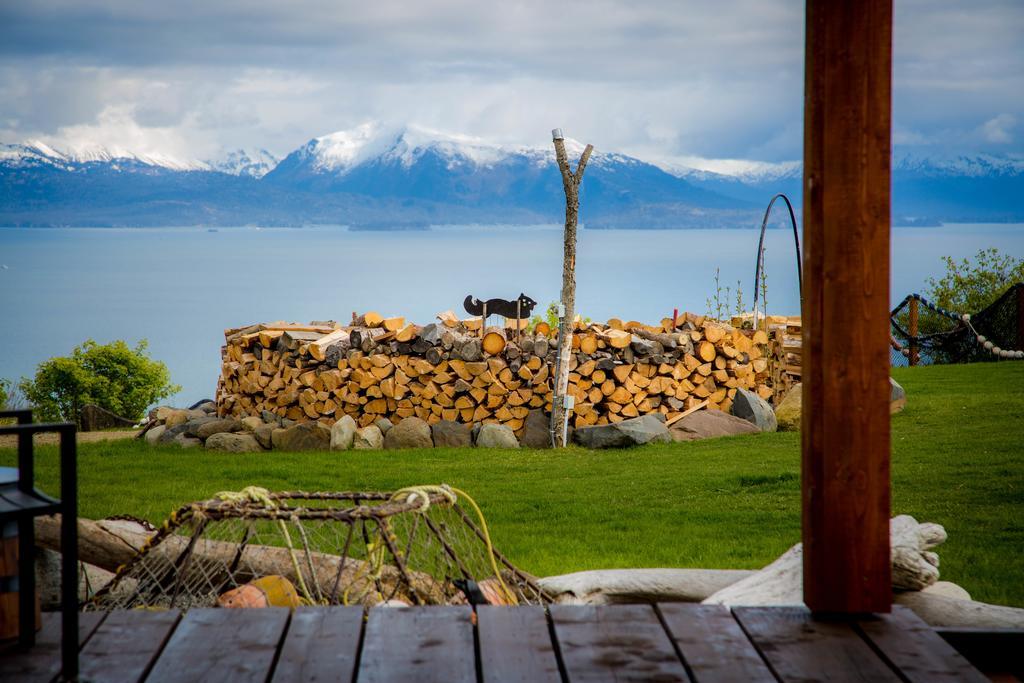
318, 349
368, 319
941, 610
612, 586
109, 546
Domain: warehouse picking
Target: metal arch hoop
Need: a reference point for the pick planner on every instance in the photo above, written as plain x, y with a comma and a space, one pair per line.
760, 251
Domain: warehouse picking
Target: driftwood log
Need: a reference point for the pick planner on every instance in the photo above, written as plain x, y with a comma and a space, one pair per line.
109, 545
613, 586
915, 583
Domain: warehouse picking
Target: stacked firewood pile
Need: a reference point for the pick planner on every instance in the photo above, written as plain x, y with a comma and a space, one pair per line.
787, 350
454, 370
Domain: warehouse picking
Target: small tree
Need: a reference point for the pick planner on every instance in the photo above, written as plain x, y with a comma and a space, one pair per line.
114, 376
969, 285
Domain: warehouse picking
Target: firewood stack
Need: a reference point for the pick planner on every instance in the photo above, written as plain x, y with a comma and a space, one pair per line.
787, 349
454, 370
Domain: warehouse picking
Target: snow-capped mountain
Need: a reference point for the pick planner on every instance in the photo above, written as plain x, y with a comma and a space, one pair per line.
382, 177
254, 163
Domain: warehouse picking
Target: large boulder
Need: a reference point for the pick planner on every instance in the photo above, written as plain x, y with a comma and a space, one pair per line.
383, 424
171, 433
897, 397
265, 435
412, 432
708, 424
304, 436
536, 430
754, 409
153, 434
496, 436
448, 433
633, 432
342, 433
368, 438
217, 426
175, 417
787, 413
252, 423
231, 442
186, 441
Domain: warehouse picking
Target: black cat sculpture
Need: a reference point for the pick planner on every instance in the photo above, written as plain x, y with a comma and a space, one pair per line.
501, 306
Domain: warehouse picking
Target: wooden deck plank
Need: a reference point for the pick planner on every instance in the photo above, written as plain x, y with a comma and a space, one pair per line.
916, 649
515, 645
222, 645
713, 645
615, 643
422, 644
799, 647
125, 645
322, 644
42, 662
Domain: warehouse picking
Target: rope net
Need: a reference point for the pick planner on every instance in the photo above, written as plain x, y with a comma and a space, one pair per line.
951, 337
417, 546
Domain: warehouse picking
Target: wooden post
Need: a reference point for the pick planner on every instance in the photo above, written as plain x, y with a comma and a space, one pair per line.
1020, 318
912, 328
571, 185
845, 435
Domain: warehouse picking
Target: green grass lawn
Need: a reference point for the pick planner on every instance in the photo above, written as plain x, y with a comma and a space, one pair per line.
958, 459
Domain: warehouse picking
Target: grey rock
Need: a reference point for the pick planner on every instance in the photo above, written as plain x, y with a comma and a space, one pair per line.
230, 442
217, 426
285, 422
186, 441
208, 406
897, 397
708, 424
383, 424
305, 436
252, 423
153, 435
633, 432
342, 433
193, 425
496, 436
412, 432
787, 413
449, 433
171, 433
264, 435
754, 409
368, 439
161, 413
536, 430
270, 418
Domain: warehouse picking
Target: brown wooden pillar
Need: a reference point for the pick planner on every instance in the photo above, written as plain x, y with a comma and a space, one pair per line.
845, 432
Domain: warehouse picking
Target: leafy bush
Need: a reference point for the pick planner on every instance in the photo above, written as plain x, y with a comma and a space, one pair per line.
969, 285
5, 393
114, 376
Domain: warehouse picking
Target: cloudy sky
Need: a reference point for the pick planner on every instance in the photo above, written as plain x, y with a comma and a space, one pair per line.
682, 81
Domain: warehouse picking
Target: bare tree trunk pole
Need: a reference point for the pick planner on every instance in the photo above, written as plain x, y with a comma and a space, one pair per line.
571, 184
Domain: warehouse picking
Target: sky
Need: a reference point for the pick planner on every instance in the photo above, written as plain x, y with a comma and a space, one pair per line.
714, 85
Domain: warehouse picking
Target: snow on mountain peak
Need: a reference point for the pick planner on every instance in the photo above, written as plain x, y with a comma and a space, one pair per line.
254, 163
38, 151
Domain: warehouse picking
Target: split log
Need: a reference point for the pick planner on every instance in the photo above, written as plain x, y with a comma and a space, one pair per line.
318, 349
368, 319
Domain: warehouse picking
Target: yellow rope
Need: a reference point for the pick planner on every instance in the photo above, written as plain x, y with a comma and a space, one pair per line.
261, 496
412, 493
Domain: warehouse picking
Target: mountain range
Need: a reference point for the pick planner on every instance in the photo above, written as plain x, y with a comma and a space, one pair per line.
371, 177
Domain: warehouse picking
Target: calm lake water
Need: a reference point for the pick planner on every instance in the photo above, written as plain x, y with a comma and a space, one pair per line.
180, 287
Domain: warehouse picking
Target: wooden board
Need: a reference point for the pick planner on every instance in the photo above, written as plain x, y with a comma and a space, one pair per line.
801, 648
847, 155
42, 662
421, 644
125, 645
712, 644
615, 643
916, 649
515, 645
322, 644
222, 645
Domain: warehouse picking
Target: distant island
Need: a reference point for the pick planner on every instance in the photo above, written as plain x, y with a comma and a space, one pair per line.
411, 179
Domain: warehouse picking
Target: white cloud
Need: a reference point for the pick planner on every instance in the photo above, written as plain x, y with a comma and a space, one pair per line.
998, 129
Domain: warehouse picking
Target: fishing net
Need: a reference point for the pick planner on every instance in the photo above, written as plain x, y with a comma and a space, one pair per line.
417, 546
955, 340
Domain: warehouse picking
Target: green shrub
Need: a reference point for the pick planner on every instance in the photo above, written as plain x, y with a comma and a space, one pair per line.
969, 286
5, 393
114, 376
